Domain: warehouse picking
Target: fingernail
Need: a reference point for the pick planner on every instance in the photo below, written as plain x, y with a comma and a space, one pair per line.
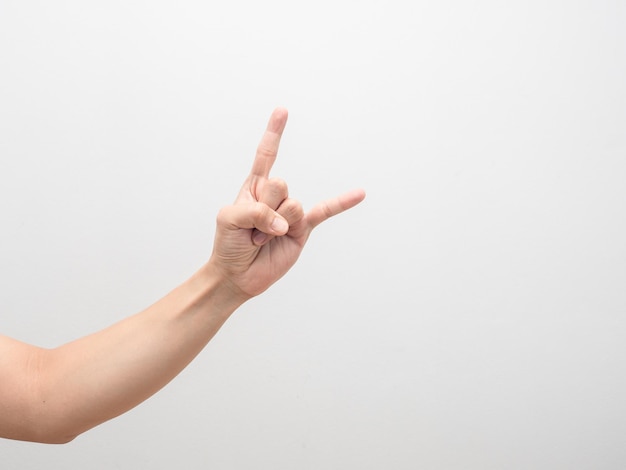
259, 238
280, 225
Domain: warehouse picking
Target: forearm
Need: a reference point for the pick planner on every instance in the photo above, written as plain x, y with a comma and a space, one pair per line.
98, 377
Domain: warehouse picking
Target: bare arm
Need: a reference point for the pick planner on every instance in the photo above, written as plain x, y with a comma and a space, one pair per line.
53, 395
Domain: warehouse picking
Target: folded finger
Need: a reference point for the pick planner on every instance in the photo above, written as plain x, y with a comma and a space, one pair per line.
253, 215
273, 192
291, 211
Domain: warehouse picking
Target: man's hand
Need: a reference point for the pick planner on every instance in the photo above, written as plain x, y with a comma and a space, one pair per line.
53, 395
262, 234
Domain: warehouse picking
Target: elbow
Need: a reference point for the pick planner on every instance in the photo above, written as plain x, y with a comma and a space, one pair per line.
46, 418
53, 425
30, 407
43, 432
51, 439
58, 439
54, 437
41, 435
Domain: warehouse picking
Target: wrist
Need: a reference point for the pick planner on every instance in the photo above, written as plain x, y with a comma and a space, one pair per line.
216, 289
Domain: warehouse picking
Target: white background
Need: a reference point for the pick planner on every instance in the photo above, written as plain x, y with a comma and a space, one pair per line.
470, 314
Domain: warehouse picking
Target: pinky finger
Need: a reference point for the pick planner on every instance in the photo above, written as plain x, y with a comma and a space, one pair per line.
331, 207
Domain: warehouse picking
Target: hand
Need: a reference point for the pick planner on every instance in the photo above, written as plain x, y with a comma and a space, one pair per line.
261, 235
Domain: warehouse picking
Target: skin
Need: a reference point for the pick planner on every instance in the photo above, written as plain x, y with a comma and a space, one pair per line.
54, 395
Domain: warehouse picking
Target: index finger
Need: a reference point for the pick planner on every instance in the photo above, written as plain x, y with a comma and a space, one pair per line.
268, 147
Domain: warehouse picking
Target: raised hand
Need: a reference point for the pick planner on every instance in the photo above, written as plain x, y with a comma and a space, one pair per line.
53, 395
261, 235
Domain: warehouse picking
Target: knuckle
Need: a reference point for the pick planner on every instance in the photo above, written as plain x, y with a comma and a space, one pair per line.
223, 215
278, 187
326, 209
264, 150
295, 208
292, 210
260, 211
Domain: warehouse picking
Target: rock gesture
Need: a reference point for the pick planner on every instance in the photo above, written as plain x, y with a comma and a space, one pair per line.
262, 234
53, 395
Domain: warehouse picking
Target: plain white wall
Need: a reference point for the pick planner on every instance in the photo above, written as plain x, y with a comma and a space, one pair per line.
471, 314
